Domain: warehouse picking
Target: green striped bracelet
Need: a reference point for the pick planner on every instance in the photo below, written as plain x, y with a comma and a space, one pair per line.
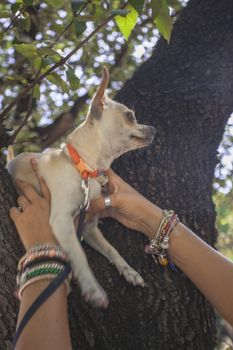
40, 269
43, 271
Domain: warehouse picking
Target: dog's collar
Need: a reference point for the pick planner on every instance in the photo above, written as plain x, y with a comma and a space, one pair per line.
84, 170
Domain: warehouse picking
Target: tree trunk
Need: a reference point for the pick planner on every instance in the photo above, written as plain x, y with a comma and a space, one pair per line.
10, 250
185, 89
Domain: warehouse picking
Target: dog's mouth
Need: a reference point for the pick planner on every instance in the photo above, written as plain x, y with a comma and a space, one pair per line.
140, 142
145, 136
137, 138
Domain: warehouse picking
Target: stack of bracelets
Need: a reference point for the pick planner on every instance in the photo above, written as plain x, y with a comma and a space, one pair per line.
41, 262
159, 244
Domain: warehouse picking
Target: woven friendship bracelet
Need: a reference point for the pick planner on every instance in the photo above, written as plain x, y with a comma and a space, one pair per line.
20, 291
43, 259
41, 251
41, 262
38, 269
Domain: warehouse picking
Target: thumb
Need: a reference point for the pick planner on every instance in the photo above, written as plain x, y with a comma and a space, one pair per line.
14, 214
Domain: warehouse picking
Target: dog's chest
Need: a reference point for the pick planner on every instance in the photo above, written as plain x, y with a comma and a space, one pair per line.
95, 189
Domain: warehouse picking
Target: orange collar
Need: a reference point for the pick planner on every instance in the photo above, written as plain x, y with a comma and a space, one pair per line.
81, 166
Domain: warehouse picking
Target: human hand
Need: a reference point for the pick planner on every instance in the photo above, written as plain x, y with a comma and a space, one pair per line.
32, 221
129, 207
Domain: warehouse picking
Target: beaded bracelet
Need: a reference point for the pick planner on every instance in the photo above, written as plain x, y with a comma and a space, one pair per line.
160, 243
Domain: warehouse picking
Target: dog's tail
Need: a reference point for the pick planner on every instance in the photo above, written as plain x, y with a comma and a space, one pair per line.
10, 154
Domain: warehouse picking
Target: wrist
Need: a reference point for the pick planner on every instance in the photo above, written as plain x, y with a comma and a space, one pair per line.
46, 238
152, 216
35, 289
180, 238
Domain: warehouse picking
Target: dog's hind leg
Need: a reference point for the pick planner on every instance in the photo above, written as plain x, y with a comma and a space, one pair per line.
64, 231
93, 236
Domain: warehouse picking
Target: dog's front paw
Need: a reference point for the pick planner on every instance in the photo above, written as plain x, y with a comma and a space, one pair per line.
92, 291
131, 275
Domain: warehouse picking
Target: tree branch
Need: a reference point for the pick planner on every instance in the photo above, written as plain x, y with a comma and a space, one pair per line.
29, 112
71, 22
13, 21
55, 66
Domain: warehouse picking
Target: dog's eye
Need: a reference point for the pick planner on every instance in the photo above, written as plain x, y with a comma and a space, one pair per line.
130, 116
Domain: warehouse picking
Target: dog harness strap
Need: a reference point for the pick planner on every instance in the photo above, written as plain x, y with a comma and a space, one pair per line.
81, 166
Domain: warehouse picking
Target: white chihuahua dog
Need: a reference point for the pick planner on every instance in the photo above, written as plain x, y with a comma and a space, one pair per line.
110, 129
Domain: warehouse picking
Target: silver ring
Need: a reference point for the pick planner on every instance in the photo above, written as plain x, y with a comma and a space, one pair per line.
20, 209
107, 202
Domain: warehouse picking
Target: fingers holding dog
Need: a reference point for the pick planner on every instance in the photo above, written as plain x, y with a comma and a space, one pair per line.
27, 190
23, 202
103, 204
43, 186
14, 213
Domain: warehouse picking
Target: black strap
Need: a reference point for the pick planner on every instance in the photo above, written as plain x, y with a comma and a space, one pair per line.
81, 222
52, 287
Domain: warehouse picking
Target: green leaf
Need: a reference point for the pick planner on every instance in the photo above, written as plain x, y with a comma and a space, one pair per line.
25, 23
47, 61
120, 12
175, 4
17, 77
46, 51
127, 23
54, 78
79, 27
58, 28
27, 50
138, 5
15, 7
72, 79
115, 3
76, 4
4, 14
37, 62
55, 3
156, 6
36, 92
28, 2
87, 18
163, 20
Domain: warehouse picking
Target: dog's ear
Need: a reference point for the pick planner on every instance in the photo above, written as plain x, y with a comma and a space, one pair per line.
98, 102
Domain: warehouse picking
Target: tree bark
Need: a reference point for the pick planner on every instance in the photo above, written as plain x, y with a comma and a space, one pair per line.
185, 89
10, 250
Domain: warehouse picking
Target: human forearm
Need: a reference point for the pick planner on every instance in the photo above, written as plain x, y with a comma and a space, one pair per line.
210, 271
51, 319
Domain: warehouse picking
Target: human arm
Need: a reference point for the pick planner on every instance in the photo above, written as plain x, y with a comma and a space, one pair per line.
210, 271
48, 329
